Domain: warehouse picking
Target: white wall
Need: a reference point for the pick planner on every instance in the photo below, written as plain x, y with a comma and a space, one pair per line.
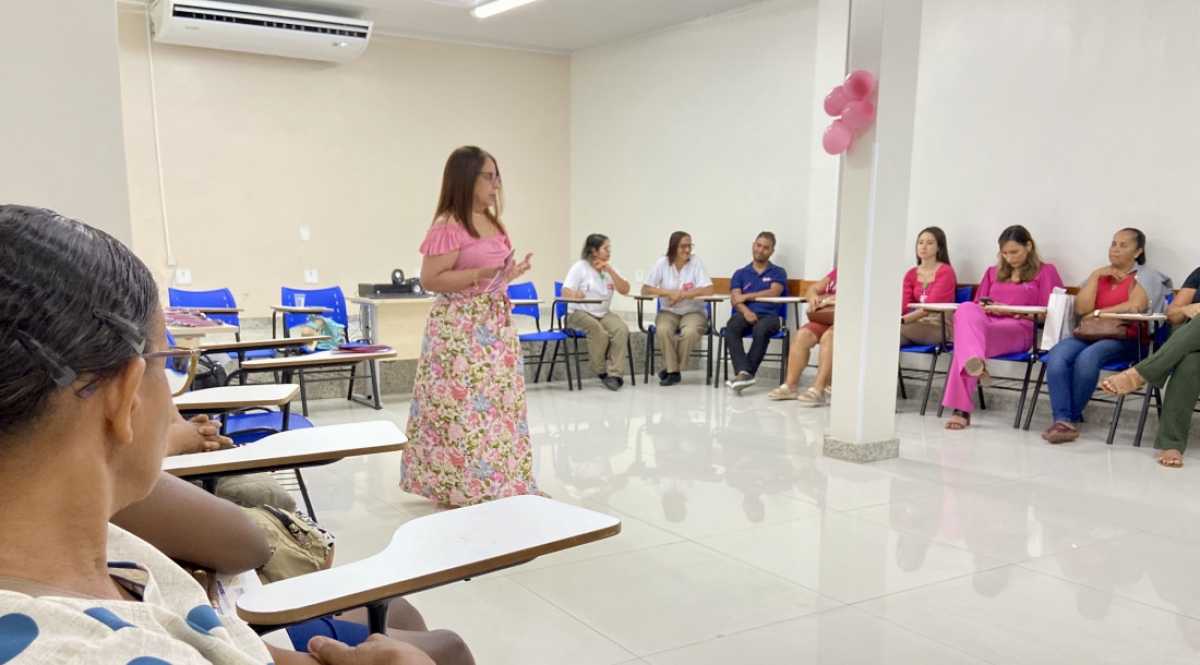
255, 147
1074, 117
703, 128
60, 118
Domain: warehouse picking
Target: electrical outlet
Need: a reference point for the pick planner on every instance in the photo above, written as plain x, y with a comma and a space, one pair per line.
310, 277
183, 276
640, 276
304, 233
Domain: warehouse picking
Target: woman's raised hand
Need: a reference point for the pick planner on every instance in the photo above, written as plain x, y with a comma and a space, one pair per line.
522, 267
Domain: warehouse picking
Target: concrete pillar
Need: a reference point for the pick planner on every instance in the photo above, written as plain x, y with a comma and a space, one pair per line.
60, 121
873, 252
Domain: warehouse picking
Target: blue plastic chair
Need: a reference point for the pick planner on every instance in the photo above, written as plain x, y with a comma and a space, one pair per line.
782, 334
527, 291
651, 329
962, 294
560, 314
333, 299
216, 298
1160, 337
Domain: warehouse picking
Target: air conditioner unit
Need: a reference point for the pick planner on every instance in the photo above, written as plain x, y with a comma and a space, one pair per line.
234, 27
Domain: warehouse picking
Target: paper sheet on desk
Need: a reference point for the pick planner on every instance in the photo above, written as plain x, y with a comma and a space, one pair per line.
501, 277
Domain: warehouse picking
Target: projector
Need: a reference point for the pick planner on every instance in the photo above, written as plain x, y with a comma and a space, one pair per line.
398, 288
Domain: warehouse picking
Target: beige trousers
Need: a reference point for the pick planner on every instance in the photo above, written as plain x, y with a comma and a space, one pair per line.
607, 336
690, 327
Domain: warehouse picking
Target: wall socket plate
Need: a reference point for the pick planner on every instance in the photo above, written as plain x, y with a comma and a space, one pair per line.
310, 277
183, 276
304, 233
639, 277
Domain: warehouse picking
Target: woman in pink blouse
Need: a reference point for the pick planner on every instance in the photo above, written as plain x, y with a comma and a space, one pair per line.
980, 332
931, 281
468, 437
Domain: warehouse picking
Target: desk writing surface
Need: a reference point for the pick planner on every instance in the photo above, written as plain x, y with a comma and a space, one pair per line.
318, 358
521, 302
289, 309
259, 344
1134, 317
426, 301
432, 550
210, 310
936, 306
1016, 309
201, 331
781, 300
237, 397
291, 448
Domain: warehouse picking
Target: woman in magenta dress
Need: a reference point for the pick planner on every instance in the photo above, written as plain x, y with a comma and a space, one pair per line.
468, 438
1020, 279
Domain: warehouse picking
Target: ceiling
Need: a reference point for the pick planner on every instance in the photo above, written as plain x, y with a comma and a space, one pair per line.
557, 26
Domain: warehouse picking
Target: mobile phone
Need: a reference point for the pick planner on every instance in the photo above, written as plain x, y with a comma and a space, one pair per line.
986, 300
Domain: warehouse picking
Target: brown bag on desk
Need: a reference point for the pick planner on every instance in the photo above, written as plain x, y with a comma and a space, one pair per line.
823, 316
1095, 329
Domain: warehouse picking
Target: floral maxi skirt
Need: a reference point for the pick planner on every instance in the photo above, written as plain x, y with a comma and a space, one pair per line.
468, 437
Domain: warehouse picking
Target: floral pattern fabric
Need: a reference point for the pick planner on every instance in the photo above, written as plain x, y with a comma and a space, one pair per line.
468, 436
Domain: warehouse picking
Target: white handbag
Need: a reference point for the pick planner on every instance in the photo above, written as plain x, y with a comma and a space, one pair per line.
1060, 319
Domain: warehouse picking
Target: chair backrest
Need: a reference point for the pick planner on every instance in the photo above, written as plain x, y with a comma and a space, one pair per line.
525, 291
213, 298
560, 308
963, 294
331, 298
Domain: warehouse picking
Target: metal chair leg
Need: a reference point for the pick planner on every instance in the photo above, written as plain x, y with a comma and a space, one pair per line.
1112, 427
929, 382
629, 356
304, 493
1037, 391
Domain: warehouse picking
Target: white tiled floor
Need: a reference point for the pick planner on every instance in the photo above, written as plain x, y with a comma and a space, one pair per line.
742, 544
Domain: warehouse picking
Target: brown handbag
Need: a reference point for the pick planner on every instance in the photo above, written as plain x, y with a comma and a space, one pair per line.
823, 316
1094, 329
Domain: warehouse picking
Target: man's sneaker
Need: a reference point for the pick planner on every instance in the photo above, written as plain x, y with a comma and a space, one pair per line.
612, 383
671, 379
783, 392
662, 374
742, 381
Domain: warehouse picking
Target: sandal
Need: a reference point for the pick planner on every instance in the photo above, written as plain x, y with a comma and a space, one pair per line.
963, 422
1124, 383
1061, 432
812, 397
783, 392
1170, 458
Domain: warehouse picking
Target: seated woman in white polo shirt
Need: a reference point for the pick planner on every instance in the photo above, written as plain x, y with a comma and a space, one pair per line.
678, 279
607, 334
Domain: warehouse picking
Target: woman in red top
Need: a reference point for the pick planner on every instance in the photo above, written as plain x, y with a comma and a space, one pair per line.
1073, 365
931, 281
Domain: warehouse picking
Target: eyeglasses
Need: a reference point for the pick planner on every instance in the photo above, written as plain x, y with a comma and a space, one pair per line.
180, 368
686, 245
494, 178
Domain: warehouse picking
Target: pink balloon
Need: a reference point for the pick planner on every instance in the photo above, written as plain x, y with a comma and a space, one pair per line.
859, 84
858, 114
835, 101
837, 138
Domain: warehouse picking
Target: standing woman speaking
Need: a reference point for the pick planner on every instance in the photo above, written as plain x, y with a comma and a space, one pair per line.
468, 437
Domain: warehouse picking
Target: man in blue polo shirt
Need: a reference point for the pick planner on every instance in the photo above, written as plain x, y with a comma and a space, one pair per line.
759, 279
